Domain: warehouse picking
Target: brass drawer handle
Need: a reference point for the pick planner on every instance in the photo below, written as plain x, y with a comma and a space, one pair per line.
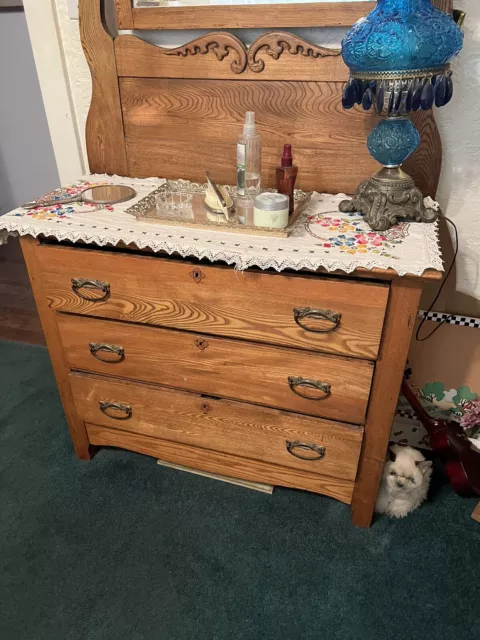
304, 446
82, 283
316, 385
116, 406
96, 348
317, 314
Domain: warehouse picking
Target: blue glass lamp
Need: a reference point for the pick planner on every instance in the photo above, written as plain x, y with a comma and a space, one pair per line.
398, 58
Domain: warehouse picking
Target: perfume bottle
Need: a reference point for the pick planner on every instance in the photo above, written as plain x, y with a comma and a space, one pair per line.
286, 175
249, 151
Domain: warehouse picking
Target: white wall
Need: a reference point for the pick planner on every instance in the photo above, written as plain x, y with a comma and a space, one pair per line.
459, 190
459, 125
76, 69
27, 161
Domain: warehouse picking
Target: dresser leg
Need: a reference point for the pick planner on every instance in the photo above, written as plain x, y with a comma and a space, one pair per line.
476, 513
82, 447
399, 324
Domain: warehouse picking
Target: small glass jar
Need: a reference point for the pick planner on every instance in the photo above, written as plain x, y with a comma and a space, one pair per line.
174, 204
271, 210
244, 210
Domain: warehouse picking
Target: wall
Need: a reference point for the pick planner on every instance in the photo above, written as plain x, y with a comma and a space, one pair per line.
459, 125
27, 161
459, 191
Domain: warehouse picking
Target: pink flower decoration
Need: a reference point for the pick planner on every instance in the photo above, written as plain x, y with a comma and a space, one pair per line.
371, 234
471, 417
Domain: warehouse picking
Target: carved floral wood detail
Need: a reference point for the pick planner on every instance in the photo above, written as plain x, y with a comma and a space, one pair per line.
220, 44
274, 44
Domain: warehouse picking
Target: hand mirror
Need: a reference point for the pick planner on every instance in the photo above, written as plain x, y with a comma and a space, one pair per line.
104, 194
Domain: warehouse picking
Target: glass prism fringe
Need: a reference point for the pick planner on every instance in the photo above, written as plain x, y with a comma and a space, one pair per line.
399, 95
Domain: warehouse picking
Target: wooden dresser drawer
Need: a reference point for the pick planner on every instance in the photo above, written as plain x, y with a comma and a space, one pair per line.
236, 428
263, 307
272, 376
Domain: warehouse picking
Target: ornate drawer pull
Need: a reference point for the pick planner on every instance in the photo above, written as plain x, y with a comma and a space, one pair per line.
98, 347
116, 406
304, 446
83, 283
325, 387
317, 314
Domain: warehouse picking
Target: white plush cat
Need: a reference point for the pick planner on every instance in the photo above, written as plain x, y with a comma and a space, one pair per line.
405, 482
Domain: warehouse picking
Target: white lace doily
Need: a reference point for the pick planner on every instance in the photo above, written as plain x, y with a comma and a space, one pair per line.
324, 238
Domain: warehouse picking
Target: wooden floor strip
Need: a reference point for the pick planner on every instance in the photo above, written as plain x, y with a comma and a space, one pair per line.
19, 319
255, 486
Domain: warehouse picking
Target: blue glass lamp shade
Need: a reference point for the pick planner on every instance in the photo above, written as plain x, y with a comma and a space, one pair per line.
402, 35
399, 57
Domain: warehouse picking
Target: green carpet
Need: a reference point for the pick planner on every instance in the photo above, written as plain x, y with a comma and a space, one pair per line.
122, 548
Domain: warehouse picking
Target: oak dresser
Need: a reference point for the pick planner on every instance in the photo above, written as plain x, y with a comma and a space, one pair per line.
285, 378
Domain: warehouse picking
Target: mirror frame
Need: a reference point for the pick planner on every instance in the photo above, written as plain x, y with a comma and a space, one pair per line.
311, 14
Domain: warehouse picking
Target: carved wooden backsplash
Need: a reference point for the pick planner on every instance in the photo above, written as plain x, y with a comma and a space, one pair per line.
177, 112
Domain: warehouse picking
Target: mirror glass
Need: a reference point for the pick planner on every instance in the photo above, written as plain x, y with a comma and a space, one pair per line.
108, 194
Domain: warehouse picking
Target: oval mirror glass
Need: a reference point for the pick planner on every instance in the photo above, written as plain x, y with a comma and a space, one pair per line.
108, 194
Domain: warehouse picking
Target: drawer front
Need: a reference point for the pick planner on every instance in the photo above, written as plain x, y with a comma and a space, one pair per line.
225, 464
281, 378
236, 428
307, 312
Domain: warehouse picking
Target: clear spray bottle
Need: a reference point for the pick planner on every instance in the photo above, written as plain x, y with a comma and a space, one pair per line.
249, 155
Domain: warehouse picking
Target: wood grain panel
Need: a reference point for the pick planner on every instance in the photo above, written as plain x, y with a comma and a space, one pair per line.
338, 167
179, 127
250, 305
124, 14
222, 56
229, 427
444, 5
335, 14
307, 114
425, 164
399, 324
325, 170
227, 368
104, 130
222, 463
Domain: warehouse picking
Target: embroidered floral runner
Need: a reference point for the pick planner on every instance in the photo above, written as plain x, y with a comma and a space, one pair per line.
324, 237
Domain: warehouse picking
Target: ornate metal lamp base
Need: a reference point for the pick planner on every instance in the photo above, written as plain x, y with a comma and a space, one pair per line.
388, 197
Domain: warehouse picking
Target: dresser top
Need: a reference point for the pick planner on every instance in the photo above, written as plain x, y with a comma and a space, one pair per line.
324, 239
